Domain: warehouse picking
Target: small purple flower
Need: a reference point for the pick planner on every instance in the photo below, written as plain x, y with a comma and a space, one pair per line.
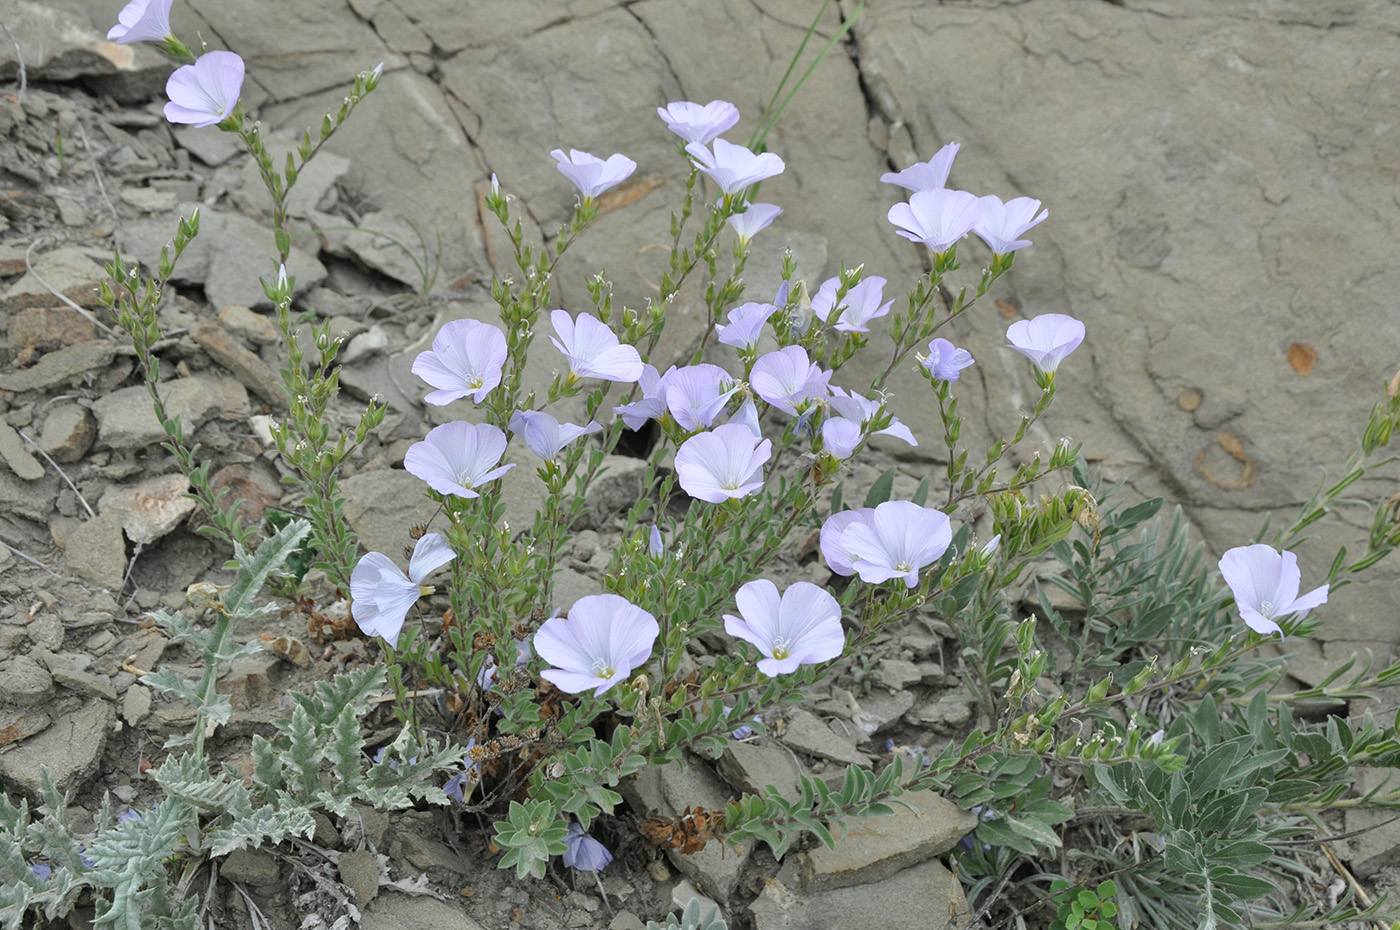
42, 871
205, 92
840, 436
852, 406
741, 732
129, 815
745, 325
894, 541
754, 220
465, 361
928, 175
142, 21
1046, 339
937, 218
1265, 584
545, 435
381, 594
1155, 739
604, 637
458, 457
787, 379
652, 406
725, 463
696, 123
459, 787
733, 167
860, 305
592, 349
696, 394
654, 544
802, 627
945, 361
590, 174
1002, 224
582, 851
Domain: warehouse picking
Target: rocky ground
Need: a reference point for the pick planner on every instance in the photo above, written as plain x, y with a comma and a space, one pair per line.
1224, 225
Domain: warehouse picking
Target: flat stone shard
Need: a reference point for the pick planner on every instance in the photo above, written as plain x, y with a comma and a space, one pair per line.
15, 455
152, 508
68, 270
68, 433
127, 421
808, 734
401, 912
926, 896
24, 682
70, 748
55, 368
250, 370
96, 551
877, 847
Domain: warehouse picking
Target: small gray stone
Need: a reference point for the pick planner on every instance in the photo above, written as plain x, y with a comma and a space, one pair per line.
56, 367
85, 682
12, 450
808, 734
126, 420
752, 766
250, 370
68, 433
152, 508
46, 631
257, 328
250, 866
380, 506
401, 912
96, 550
101, 643
136, 704
212, 148
70, 212
16, 725
926, 896
71, 749
360, 871
24, 682
898, 674
881, 709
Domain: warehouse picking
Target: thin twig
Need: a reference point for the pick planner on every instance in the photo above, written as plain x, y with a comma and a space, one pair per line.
1309, 841
97, 175
1350, 879
30, 559
130, 567
82, 500
23, 78
52, 290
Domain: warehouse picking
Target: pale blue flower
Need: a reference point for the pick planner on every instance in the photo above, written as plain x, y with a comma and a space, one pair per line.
853, 406
459, 787
840, 436
937, 218
945, 361
465, 361
1002, 224
592, 175
654, 544
1265, 584
458, 457
894, 541
725, 463
802, 627
860, 305
745, 325
583, 852
696, 123
733, 167
754, 220
381, 594
205, 92
926, 175
832, 534
546, 436
598, 645
142, 21
788, 379
592, 349
1046, 339
747, 417
652, 406
696, 394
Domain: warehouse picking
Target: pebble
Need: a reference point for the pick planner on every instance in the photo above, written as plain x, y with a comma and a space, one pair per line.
99, 644
360, 871
136, 704
13, 451
68, 433
24, 682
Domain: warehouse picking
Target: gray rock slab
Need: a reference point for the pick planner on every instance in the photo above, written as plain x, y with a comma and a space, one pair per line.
67, 270
235, 358
71, 749
751, 766
152, 508
402, 912
127, 421
876, 848
15, 455
230, 254
809, 734
881, 709
381, 505
668, 790
96, 551
925, 896
360, 871
16, 725
55, 368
